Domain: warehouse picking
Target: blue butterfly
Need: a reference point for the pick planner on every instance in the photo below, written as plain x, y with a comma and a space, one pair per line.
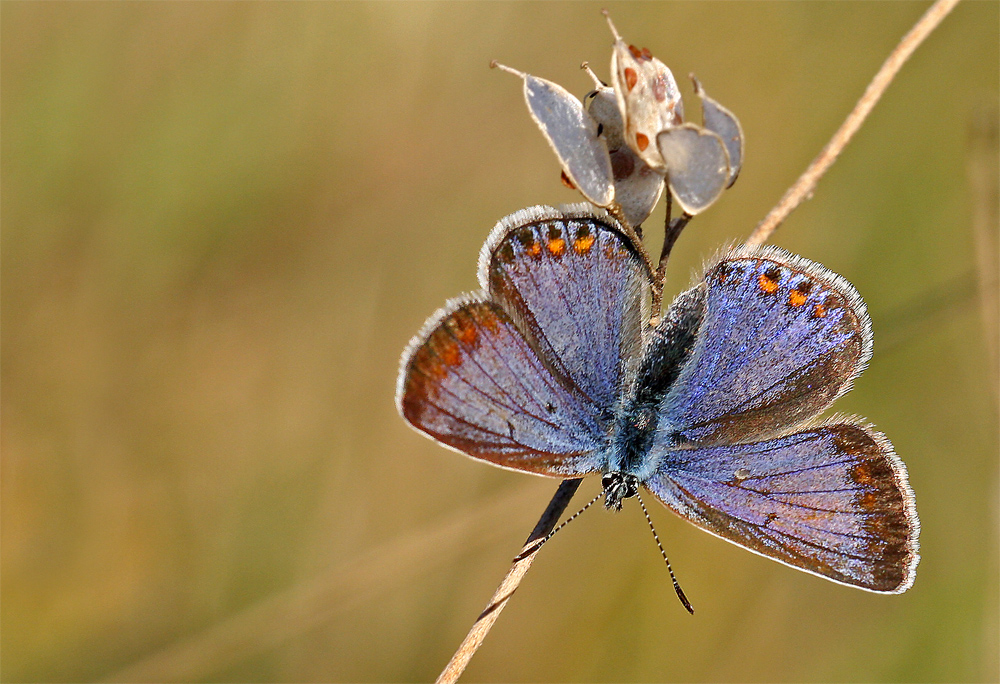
553, 369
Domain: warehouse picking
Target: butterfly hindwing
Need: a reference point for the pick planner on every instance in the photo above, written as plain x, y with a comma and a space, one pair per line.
780, 338
574, 284
832, 500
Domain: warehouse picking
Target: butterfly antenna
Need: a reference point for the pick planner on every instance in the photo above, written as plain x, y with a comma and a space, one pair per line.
677, 587
573, 517
564, 523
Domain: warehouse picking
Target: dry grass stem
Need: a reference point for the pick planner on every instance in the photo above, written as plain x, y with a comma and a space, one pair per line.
982, 173
804, 186
509, 585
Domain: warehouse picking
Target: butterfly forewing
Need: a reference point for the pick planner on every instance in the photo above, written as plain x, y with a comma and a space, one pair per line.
781, 338
471, 381
574, 284
832, 500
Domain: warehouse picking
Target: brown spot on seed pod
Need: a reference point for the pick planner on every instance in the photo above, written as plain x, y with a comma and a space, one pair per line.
630, 79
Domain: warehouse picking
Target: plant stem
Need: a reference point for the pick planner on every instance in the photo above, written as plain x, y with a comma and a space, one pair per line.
509, 585
804, 186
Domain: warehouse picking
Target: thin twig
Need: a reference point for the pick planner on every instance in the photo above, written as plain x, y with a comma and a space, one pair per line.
660, 277
635, 235
982, 174
806, 183
508, 586
671, 231
795, 195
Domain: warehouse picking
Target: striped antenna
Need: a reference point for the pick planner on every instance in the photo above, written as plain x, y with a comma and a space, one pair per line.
534, 547
677, 587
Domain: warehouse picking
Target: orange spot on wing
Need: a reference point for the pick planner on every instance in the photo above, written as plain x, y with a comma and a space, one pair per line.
467, 333
768, 283
630, 79
450, 354
534, 249
433, 368
819, 311
636, 52
861, 474
641, 141
583, 243
557, 246
433, 359
489, 320
796, 298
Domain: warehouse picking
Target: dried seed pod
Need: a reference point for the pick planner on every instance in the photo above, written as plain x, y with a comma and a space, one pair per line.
637, 187
648, 97
698, 165
720, 120
572, 134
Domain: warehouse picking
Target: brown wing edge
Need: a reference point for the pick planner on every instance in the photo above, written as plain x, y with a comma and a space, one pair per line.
432, 323
910, 552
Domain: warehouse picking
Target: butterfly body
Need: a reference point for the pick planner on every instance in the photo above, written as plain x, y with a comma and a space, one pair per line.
553, 369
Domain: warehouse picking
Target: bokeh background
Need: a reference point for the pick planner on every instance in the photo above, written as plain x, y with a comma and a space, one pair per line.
222, 222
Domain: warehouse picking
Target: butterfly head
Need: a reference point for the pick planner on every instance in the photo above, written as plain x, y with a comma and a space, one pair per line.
617, 488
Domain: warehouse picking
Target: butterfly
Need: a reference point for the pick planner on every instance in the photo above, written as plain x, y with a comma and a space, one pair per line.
552, 369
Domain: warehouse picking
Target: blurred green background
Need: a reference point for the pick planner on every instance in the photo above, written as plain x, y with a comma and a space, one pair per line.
222, 222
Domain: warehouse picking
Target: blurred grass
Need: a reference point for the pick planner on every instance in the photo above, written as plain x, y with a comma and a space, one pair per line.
222, 222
